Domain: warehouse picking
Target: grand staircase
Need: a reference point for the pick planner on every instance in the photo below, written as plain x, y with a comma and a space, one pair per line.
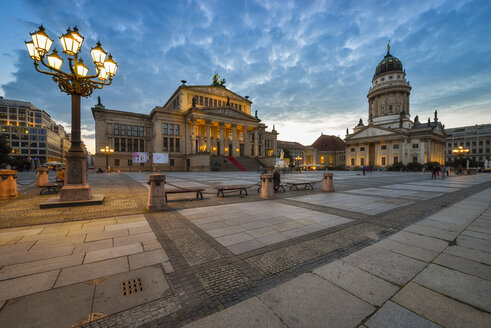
228, 163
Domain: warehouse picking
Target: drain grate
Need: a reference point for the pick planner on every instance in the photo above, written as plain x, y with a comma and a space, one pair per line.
131, 286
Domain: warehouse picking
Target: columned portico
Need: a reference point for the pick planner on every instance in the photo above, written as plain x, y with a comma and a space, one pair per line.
234, 140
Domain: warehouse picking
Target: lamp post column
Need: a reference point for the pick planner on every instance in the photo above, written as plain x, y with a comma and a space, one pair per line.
76, 186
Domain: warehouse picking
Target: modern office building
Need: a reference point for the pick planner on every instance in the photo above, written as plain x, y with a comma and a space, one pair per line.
32, 134
390, 135
476, 138
197, 126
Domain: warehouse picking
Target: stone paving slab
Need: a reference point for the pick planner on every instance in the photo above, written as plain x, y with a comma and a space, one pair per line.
392, 315
251, 313
9, 258
471, 254
90, 271
441, 309
109, 253
311, 301
429, 243
108, 296
24, 269
390, 266
27, 285
366, 286
148, 258
464, 265
432, 232
61, 307
460, 286
415, 252
474, 243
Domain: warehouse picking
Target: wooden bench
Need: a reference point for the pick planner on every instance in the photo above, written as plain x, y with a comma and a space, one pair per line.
305, 185
221, 189
198, 191
51, 187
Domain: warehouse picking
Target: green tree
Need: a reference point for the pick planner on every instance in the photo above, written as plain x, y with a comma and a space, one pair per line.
5, 150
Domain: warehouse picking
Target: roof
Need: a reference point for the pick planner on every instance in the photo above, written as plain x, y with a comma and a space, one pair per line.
329, 143
290, 145
387, 64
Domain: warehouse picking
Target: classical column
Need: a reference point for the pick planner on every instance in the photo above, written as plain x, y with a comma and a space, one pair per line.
402, 149
234, 140
208, 137
388, 161
357, 157
428, 152
376, 159
193, 136
247, 142
421, 152
256, 143
222, 140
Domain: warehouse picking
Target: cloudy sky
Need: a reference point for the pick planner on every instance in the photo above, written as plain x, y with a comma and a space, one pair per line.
306, 65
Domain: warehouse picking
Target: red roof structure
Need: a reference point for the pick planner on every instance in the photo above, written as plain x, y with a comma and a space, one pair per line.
328, 143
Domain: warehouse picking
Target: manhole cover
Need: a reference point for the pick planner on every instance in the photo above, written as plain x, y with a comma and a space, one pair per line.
131, 286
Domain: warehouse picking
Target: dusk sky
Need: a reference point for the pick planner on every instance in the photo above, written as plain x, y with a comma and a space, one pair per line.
306, 65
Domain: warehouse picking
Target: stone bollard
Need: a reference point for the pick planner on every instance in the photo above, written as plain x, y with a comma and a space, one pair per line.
267, 187
156, 193
327, 183
8, 184
41, 176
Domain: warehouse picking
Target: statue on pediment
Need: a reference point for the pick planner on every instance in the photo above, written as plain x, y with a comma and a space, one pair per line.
195, 101
217, 81
360, 123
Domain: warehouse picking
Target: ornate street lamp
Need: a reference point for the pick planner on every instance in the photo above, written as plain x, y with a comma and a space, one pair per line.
77, 84
460, 152
107, 150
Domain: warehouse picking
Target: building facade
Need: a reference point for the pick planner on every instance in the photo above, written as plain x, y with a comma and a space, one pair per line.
476, 138
326, 152
391, 136
195, 124
32, 134
295, 149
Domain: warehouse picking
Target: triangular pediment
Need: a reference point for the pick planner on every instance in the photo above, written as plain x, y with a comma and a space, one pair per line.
225, 112
371, 131
216, 90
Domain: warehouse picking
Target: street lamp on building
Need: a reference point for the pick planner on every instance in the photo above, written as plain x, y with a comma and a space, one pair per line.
460, 152
77, 83
107, 150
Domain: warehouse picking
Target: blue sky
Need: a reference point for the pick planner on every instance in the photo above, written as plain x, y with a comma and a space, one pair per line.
306, 65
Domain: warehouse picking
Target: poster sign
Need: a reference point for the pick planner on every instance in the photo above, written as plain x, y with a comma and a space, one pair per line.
160, 158
139, 157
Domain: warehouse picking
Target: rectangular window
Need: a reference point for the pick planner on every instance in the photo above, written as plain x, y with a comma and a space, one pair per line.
34, 144
352, 162
116, 144
166, 144
352, 150
383, 160
201, 101
240, 107
206, 101
165, 129
396, 146
415, 159
415, 145
171, 162
24, 151
116, 162
215, 103
123, 129
171, 129
178, 144
171, 144
135, 130
362, 161
142, 145
142, 131
396, 159
219, 103
362, 148
177, 130
130, 162
135, 144
383, 147
129, 130
130, 144
123, 144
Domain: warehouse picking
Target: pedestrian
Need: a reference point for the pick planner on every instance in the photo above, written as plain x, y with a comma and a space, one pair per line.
433, 173
276, 180
364, 169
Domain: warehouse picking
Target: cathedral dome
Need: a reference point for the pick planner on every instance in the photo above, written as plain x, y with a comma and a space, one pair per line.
388, 64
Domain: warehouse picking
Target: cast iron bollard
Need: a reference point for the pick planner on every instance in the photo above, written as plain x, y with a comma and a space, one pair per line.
8, 184
156, 193
267, 187
41, 177
327, 183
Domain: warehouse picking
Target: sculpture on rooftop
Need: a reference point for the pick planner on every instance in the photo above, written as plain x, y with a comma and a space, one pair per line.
217, 81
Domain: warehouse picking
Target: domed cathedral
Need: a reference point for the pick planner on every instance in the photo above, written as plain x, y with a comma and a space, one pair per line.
390, 136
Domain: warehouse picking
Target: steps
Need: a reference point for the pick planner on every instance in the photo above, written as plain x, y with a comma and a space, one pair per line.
236, 163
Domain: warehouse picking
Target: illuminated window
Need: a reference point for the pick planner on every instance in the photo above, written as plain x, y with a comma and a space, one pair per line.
322, 159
